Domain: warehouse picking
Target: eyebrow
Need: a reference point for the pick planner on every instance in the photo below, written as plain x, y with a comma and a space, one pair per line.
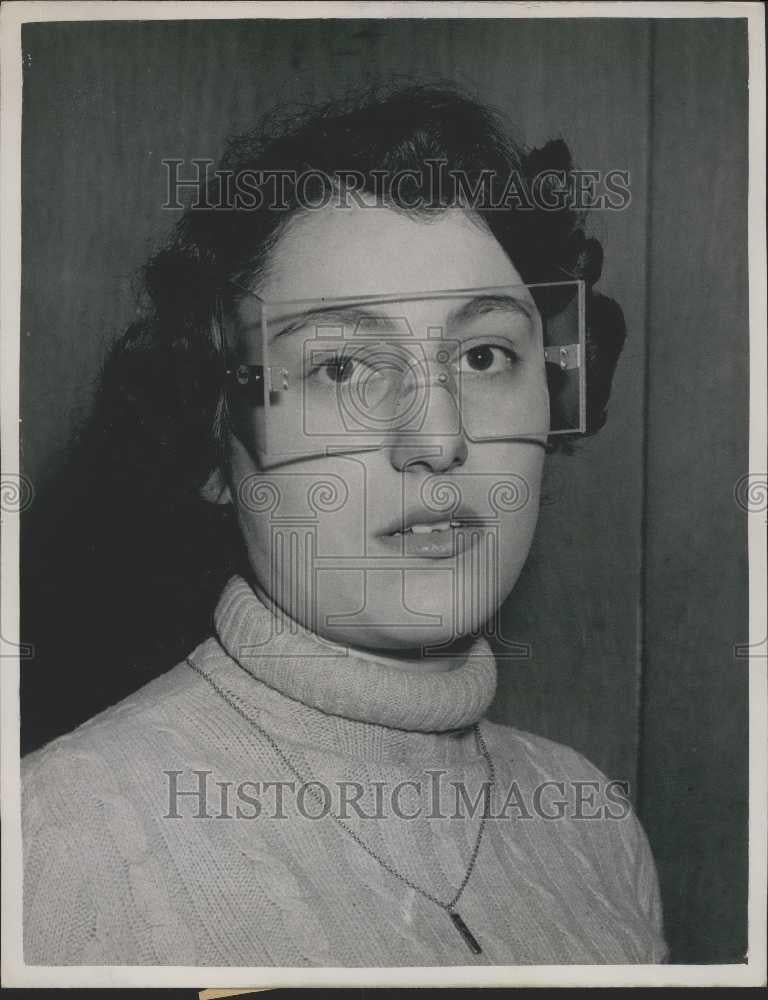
347, 315
480, 305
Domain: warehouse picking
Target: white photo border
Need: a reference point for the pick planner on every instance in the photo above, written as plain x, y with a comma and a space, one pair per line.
14, 971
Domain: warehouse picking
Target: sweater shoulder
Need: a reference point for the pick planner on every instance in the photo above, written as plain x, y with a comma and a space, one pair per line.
613, 827
548, 758
119, 730
92, 802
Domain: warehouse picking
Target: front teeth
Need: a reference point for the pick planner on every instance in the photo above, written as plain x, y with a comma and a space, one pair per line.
428, 529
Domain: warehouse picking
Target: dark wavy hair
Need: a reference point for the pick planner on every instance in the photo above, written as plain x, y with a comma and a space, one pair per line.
123, 560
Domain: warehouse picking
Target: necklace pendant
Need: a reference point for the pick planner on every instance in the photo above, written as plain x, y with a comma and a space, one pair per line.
466, 933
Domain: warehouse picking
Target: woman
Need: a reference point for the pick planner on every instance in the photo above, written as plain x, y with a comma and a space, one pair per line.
357, 374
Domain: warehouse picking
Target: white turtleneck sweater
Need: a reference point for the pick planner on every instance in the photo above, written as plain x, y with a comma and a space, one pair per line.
122, 868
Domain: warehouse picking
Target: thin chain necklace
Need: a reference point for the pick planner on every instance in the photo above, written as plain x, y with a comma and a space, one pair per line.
450, 906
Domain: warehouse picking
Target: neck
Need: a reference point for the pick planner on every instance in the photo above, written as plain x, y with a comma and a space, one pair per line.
413, 660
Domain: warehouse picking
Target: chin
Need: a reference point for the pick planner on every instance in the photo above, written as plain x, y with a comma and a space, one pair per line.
397, 641
405, 611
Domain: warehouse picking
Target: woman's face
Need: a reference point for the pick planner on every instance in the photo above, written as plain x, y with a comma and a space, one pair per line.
340, 541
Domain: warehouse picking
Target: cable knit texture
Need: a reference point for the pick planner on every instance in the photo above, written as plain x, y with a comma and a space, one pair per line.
171, 830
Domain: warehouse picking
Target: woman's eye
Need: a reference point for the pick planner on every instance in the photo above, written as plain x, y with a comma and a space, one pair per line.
483, 359
338, 370
487, 358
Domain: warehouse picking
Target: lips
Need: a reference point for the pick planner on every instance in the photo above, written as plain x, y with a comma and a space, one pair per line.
432, 535
422, 521
428, 529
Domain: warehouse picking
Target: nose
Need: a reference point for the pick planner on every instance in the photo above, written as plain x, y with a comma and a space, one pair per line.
437, 442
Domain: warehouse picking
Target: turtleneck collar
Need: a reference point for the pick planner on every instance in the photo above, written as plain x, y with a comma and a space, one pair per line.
345, 682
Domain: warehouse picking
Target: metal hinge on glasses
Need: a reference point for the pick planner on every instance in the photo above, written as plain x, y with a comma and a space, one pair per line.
275, 379
567, 356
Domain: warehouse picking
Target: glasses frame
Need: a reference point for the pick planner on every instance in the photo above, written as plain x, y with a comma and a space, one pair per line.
567, 357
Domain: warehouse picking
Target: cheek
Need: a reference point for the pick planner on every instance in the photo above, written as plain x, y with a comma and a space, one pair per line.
291, 516
254, 522
514, 497
515, 472
255, 498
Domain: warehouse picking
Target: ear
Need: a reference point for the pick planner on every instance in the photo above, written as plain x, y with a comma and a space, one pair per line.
216, 489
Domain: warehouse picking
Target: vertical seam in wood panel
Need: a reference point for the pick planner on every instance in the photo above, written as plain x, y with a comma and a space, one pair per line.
641, 665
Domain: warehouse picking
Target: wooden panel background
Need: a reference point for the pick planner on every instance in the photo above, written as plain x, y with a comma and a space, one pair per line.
695, 694
617, 601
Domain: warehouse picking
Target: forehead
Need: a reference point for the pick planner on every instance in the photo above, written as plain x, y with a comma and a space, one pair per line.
337, 252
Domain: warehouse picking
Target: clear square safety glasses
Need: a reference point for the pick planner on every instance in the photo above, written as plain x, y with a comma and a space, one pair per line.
313, 377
